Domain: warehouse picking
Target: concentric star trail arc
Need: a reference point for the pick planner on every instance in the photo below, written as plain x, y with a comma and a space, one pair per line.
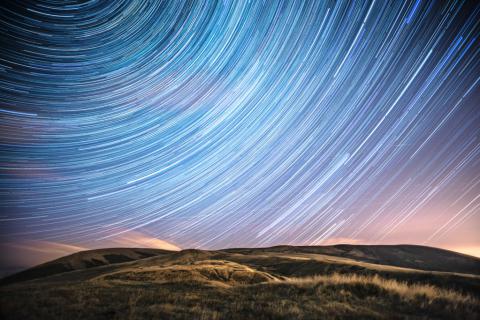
240, 123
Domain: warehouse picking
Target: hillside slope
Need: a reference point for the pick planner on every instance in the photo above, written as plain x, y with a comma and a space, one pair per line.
83, 260
268, 283
406, 256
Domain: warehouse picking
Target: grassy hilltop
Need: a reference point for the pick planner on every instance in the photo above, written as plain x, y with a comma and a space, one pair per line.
284, 282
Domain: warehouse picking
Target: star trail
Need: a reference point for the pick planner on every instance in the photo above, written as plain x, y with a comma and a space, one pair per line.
240, 123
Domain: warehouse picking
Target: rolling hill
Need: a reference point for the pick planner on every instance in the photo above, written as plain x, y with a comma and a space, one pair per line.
407, 256
83, 260
340, 281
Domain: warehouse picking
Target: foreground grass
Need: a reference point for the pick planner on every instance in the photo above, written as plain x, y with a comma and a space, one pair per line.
406, 291
320, 297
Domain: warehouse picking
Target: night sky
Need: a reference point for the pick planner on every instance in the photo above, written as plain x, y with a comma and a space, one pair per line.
244, 123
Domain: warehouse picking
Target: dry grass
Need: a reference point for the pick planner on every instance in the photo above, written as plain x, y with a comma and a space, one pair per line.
403, 289
320, 297
217, 272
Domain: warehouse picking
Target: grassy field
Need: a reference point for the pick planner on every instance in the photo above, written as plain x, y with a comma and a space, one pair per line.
270, 285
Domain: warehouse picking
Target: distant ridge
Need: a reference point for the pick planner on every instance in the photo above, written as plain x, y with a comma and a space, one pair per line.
403, 256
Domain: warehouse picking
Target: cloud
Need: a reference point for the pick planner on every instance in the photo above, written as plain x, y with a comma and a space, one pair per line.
140, 240
334, 241
27, 253
46, 247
